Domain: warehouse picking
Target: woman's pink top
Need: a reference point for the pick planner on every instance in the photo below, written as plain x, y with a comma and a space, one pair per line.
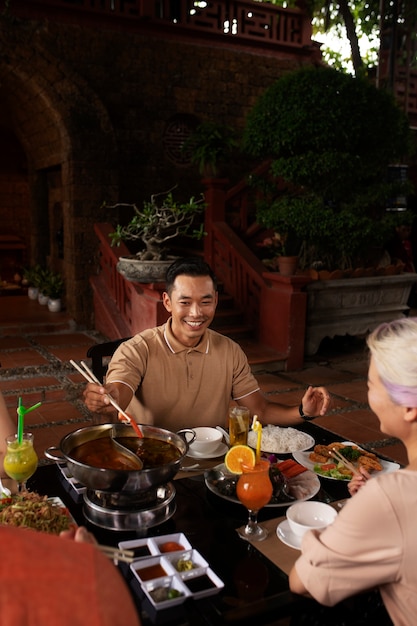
372, 543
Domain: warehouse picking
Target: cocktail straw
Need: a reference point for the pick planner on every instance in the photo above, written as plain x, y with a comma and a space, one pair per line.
20, 420
257, 427
21, 412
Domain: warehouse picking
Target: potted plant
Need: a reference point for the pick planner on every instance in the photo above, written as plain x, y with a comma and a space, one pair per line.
35, 278
280, 252
331, 138
30, 281
42, 283
54, 288
209, 146
160, 220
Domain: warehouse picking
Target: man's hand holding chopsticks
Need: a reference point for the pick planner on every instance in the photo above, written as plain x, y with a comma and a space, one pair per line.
96, 397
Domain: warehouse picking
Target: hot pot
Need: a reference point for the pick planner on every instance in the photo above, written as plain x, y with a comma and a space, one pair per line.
122, 481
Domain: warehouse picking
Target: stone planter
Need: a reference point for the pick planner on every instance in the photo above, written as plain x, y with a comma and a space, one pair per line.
353, 306
143, 271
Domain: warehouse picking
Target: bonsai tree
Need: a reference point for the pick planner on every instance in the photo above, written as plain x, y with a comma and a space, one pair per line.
160, 220
209, 145
330, 138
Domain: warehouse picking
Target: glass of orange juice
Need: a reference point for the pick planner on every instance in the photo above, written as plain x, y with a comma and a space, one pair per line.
239, 417
20, 461
254, 490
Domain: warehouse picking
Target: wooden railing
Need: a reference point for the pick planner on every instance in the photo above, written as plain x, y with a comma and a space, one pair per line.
274, 305
240, 272
234, 263
235, 21
122, 307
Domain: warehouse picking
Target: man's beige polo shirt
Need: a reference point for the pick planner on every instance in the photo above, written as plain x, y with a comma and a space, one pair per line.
181, 386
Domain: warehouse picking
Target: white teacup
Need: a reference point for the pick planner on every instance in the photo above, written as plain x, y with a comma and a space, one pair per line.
304, 516
206, 441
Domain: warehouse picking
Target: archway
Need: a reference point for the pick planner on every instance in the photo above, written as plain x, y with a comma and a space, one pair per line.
68, 155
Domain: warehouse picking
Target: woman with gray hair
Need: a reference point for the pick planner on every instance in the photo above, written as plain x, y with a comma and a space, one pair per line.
371, 544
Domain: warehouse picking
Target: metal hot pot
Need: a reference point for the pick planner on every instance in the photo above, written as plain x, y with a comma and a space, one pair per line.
121, 481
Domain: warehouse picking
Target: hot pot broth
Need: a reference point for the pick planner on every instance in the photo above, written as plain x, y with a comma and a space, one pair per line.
101, 452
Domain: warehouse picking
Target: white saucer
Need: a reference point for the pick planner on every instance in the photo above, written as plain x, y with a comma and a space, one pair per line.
287, 536
219, 451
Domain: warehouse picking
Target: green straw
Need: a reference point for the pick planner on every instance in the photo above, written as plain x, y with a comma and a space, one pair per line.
20, 420
21, 412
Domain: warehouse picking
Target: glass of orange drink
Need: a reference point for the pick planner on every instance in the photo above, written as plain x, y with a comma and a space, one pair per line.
254, 490
21, 460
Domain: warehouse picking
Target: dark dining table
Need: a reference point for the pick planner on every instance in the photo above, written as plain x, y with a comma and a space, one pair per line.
256, 591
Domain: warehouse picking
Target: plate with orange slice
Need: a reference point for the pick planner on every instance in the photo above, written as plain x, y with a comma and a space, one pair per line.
300, 483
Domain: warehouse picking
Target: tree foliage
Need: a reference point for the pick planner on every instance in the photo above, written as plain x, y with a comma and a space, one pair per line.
331, 137
361, 18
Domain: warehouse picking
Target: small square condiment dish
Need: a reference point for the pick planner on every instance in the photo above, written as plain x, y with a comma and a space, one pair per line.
174, 542
186, 561
202, 582
151, 568
158, 591
142, 548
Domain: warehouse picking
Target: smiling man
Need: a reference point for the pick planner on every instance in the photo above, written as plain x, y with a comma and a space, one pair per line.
183, 373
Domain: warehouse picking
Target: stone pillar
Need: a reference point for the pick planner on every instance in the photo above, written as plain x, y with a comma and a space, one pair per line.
283, 305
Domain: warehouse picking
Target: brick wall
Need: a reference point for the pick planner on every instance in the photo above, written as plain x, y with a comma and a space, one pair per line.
89, 108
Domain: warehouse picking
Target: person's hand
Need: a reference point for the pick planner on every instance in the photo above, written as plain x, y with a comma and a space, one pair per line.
96, 400
358, 481
79, 534
316, 401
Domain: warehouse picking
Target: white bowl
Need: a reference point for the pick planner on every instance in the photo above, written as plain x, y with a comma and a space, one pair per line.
304, 516
206, 440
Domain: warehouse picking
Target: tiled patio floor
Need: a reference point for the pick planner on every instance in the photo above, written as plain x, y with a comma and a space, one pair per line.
36, 346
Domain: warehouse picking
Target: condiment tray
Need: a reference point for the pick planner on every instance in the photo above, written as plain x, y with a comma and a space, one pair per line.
160, 571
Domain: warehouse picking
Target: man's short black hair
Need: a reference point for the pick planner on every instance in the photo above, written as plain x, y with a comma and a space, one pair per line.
188, 266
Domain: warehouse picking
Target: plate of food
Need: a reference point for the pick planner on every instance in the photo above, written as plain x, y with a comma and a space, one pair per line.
320, 460
281, 440
295, 484
31, 510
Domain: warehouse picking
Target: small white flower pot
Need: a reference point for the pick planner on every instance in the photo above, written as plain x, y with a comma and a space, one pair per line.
54, 305
33, 293
42, 298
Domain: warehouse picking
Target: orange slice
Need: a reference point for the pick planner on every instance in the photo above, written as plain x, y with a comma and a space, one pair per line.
236, 456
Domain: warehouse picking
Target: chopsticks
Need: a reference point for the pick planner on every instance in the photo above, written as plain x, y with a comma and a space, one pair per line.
339, 456
124, 556
91, 378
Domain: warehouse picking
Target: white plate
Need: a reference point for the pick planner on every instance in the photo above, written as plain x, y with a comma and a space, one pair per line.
307, 481
59, 502
222, 449
303, 459
287, 536
309, 441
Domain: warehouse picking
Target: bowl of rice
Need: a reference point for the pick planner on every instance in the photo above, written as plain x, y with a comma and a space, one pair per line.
280, 440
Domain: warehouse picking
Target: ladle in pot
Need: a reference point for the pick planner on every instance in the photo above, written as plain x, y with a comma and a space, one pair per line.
135, 461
